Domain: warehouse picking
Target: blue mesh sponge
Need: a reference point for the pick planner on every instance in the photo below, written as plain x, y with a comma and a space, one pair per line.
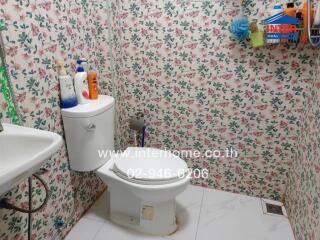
240, 28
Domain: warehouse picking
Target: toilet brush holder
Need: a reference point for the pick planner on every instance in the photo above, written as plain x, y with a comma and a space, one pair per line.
137, 124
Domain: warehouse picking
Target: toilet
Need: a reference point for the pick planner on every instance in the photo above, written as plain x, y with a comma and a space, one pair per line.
142, 182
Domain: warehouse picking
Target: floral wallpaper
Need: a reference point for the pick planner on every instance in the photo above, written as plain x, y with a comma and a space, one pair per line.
174, 60
200, 89
303, 193
39, 34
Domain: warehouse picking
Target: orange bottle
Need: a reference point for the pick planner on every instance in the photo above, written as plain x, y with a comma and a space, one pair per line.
93, 85
304, 35
290, 10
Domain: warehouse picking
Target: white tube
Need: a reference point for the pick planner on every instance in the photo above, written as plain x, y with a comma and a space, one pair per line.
316, 22
317, 37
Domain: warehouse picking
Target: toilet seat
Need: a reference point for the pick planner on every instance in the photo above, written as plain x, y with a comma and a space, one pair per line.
147, 182
149, 166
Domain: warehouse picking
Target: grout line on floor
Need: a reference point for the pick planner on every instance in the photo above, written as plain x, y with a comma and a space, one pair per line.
94, 236
199, 214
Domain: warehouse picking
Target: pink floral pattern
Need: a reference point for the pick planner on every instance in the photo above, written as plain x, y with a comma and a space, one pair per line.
303, 193
199, 89
39, 34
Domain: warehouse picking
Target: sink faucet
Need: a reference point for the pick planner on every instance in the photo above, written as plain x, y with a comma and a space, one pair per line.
1, 127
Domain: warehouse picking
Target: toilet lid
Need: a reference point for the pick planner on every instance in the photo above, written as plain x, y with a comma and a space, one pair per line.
149, 165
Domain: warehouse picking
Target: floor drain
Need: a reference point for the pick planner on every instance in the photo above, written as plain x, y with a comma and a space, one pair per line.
274, 209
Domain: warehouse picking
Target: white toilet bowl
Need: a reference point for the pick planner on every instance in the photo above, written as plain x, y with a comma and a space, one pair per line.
143, 186
145, 203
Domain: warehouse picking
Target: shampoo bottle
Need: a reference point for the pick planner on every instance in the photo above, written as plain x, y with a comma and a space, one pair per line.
68, 96
93, 85
291, 11
84, 64
81, 84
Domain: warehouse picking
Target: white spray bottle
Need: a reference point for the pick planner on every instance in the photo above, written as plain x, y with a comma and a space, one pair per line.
81, 84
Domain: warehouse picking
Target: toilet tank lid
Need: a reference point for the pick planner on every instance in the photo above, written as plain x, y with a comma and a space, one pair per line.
93, 108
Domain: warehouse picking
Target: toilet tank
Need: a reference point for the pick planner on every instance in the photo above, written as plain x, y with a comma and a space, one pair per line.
89, 131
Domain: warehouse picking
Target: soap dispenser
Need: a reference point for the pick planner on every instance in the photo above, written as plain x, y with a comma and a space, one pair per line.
81, 84
68, 96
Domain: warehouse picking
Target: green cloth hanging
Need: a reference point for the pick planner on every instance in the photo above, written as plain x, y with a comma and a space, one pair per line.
2, 25
4, 83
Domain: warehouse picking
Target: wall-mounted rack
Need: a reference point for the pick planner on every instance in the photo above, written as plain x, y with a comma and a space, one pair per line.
314, 36
290, 25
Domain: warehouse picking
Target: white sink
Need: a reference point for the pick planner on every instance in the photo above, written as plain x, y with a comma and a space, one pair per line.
22, 151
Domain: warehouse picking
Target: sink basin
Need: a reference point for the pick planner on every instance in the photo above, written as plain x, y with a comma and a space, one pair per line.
22, 152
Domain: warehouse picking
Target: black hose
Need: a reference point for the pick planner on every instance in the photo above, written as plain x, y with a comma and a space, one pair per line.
143, 136
30, 208
5, 204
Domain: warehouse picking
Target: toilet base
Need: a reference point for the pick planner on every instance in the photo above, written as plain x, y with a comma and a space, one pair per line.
146, 208
156, 218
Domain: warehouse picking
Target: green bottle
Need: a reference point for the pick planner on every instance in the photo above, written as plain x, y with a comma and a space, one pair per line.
257, 36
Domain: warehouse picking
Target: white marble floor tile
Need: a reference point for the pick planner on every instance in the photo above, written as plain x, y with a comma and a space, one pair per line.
227, 216
188, 211
113, 231
85, 229
202, 214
